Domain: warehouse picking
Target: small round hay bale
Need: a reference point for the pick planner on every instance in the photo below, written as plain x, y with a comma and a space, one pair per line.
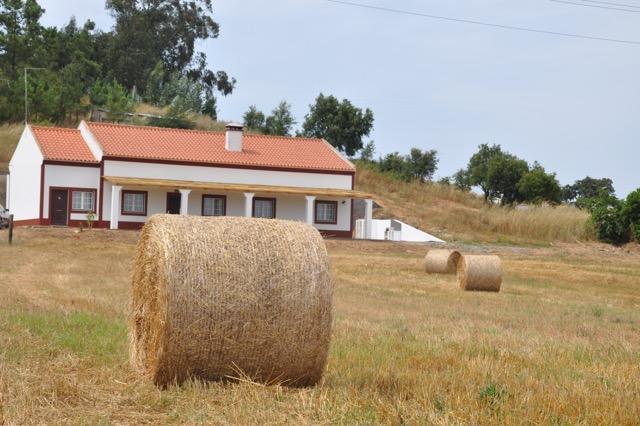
439, 261
480, 273
230, 297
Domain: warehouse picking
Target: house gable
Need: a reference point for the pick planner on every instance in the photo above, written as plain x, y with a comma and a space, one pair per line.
24, 181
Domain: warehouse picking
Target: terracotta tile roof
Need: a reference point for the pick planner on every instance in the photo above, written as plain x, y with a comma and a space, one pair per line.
60, 144
208, 147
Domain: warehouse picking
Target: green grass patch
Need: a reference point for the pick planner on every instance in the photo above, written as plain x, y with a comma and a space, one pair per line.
83, 334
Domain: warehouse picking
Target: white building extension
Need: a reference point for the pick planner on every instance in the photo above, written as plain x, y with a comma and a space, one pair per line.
124, 174
393, 230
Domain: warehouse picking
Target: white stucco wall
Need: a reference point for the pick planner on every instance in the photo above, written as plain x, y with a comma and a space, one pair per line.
23, 194
70, 177
225, 175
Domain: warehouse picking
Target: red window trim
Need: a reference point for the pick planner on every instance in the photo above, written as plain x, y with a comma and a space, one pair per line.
146, 198
315, 213
222, 197
253, 206
95, 199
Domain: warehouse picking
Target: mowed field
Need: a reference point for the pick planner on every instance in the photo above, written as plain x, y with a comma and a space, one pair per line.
559, 345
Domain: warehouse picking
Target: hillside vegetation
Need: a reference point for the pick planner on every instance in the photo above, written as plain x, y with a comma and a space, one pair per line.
450, 213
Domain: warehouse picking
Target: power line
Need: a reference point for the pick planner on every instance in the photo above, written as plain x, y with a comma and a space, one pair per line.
612, 4
593, 5
485, 24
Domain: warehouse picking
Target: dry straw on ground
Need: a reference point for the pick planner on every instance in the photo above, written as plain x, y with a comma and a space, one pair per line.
480, 273
219, 298
439, 261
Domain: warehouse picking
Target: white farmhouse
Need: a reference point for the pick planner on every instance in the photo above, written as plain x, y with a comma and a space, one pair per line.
125, 174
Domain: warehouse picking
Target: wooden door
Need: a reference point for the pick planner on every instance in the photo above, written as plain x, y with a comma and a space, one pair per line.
59, 207
173, 202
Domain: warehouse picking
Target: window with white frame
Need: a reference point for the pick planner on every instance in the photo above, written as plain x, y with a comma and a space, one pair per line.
327, 212
82, 201
134, 203
213, 205
264, 207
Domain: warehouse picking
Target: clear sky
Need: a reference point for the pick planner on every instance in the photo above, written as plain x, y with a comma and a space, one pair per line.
571, 104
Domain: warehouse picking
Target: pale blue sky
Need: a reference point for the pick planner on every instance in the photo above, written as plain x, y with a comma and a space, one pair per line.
571, 104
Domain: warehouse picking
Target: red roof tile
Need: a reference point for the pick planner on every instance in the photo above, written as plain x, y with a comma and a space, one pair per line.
60, 144
208, 147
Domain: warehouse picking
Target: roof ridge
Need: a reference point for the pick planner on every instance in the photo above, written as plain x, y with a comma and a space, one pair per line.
54, 128
172, 129
163, 129
283, 137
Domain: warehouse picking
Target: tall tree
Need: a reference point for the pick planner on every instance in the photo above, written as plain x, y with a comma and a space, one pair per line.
367, 153
418, 165
254, 119
461, 180
281, 121
20, 35
504, 171
478, 168
422, 164
118, 102
148, 31
588, 188
341, 123
537, 186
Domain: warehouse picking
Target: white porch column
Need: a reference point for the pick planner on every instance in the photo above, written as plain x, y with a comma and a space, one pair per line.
248, 204
309, 209
184, 201
368, 219
115, 206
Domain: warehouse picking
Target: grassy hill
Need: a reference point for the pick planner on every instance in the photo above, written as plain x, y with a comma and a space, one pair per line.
438, 209
456, 215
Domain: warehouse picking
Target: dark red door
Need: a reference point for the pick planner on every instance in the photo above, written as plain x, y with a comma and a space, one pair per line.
59, 206
173, 202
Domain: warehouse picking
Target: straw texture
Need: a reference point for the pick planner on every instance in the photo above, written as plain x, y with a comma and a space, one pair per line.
230, 297
438, 261
480, 273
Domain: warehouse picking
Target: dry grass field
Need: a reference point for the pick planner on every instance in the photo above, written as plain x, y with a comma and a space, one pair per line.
449, 213
559, 345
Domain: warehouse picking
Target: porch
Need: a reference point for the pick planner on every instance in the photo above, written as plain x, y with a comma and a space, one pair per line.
130, 201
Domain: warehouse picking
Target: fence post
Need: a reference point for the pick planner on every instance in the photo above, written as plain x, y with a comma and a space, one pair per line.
10, 228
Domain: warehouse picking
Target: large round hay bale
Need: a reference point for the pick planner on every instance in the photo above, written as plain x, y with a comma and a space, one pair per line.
230, 297
480, 273
439, 261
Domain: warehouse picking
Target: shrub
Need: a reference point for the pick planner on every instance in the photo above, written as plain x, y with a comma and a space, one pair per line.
632, 207
635, 232
631, 212
609, 220
538, 186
